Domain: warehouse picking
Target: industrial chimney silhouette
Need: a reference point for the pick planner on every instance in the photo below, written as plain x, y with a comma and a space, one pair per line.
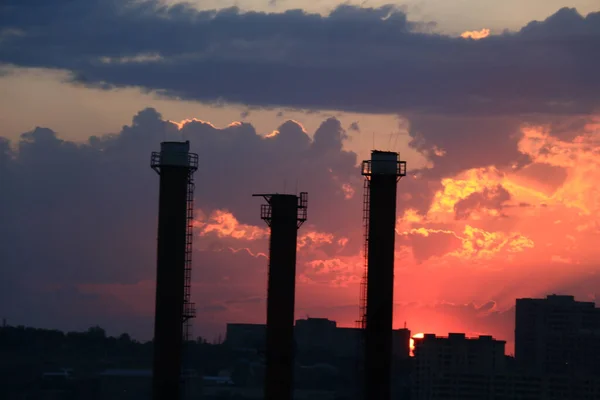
284, 213
382, 172
175, 165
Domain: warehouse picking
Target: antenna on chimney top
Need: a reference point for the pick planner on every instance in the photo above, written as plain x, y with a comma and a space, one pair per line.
404, 324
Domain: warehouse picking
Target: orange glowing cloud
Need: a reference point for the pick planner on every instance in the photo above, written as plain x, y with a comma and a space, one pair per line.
184, 122
339, 272
460, 188
276, 132
476, 35
506, 219
480, 244
348, 190
408, 219
581, 159
481, 193
492, 215
314, 238
477, 243
426, 232
223, 224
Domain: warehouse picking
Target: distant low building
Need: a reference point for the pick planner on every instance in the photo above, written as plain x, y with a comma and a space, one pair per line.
314, 334
249, 337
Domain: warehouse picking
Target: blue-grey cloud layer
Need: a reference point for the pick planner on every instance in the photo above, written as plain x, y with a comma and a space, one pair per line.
360, 59
85, 213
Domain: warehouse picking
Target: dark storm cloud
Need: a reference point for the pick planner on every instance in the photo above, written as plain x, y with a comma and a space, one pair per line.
101, 196
549, 177
287, 161
492, 199
354, 127
354, 59
75, 214
466, 142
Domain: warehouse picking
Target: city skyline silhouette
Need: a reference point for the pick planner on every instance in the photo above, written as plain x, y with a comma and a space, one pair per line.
491, 112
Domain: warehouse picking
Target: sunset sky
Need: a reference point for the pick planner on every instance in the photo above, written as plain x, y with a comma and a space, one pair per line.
495, 106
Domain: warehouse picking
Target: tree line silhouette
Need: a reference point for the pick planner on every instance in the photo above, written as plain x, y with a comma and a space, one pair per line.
27, 353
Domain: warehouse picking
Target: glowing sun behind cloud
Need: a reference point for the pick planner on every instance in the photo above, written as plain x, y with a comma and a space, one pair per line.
476, 35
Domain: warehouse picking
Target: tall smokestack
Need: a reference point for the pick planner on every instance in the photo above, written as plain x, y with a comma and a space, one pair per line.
284, 213
382, 173
175, 165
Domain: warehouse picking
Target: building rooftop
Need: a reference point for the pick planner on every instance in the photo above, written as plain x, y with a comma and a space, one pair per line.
460, 336
558, 299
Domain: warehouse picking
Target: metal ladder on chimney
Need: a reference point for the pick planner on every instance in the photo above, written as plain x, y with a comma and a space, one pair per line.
189, 309
361, 323
363, 283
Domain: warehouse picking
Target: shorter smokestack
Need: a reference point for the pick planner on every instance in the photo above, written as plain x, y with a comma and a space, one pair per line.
284, 213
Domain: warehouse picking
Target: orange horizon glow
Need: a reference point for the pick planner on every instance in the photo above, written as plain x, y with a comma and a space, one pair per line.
509, 222
490, 235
